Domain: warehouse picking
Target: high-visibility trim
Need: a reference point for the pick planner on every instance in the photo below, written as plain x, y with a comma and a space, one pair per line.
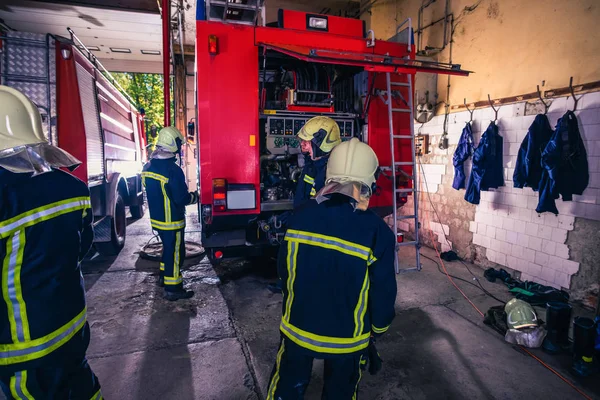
313, 192
309, 179
324, 344
37, 348
379, 330
291, 267
97, 395
361, 306
275, 380
40, 214
332, 243
155, 176
176, 259
167, 226
167, 203
173, 281
162, 266
18, 386
360, 363
17, 311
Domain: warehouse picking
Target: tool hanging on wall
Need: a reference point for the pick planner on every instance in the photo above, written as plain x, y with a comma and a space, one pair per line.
575, 99
443, 145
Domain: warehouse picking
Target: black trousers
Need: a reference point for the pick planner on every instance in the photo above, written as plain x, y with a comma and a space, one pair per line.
293, 367
73, 381
173, 256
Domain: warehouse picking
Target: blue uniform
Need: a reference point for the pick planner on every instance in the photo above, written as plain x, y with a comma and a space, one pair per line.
168, 195
488, 169
528, 171
565, 165
311, 180
337, 267
45, 231
463, 152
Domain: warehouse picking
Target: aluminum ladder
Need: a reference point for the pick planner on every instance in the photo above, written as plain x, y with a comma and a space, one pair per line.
395, 139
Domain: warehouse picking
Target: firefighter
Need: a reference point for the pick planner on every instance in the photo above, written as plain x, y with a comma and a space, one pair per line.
44, 333
167, 197
337, 265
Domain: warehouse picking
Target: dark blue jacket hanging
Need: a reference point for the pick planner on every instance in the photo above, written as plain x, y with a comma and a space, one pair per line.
463, 152
528, 171
487, 171
565, 165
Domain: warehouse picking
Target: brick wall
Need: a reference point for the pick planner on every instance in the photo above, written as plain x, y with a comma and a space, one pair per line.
504, 228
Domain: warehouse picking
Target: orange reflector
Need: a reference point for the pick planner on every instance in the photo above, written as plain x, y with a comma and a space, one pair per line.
219, 196
213, 47
219, 182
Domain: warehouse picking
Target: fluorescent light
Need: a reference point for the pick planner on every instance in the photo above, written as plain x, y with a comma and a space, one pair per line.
151, 52
119, 50
93, 48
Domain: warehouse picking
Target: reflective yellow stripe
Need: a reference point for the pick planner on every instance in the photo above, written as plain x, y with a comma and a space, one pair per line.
153, 175
97, 396
37, 348
379, 330
14, 254
275, 380
167, 226
291, 266
176, 260
354, 397
162, 266
13, 388
309, 179
173, 281
166, 203
41, 214
313, 192
332, 243
361, 306
323, 344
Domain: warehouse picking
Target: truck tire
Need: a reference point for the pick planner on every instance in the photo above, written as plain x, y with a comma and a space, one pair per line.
118, 231
137, 211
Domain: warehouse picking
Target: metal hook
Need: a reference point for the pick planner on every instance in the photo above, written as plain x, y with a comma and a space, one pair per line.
575, 99
470, 111
542, 100
493, 108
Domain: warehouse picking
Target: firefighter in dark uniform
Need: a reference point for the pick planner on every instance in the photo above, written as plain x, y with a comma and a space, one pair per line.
44, 333
167, 197
337, 265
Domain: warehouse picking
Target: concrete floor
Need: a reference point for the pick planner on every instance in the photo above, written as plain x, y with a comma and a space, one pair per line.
222, 343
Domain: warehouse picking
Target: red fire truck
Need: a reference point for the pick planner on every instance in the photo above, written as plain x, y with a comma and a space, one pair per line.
257, 85
84, 114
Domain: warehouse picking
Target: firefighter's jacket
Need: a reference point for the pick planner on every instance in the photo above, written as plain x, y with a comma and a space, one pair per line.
488, 169
339, 284
463, 151
528, 171
565, 165
311, 180
167, 194
45, 231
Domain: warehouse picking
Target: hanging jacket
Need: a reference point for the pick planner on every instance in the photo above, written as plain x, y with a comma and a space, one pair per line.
565, 165
339, 283
528, 171
167, 194
488, 169
45, 231
463, 152
311, 180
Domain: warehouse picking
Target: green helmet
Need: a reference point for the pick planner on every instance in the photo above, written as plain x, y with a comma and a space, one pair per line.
520, 314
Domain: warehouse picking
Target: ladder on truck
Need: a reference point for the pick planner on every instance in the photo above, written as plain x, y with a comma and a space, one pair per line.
396, 140
244, 12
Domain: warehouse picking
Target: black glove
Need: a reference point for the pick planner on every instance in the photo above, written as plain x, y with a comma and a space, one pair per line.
374, 361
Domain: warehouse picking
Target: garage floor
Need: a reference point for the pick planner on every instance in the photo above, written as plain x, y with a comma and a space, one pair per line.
223, 342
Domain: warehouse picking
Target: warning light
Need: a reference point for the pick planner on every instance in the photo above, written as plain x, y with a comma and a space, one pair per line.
213, 47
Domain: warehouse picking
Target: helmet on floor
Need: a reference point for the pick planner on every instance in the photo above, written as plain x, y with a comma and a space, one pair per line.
353, 161
323, 133
20, 120
520, 314
168, 139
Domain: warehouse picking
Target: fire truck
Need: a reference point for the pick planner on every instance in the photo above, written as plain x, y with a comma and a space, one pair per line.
85, 114
257, 86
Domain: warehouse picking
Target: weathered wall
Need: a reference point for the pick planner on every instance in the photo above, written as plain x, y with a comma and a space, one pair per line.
511, 45
584, 242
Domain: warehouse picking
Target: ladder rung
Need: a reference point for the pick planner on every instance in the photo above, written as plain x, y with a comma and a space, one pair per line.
407, 244
399, 217
405, 84
404, 163
405, 190
403, 136
406, 110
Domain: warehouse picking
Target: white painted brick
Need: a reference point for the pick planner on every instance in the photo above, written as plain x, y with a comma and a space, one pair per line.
592, 211
529, 255
520, 227
501, 234
534, 270
526, 277
550, 220
509, 224
512, 262
549, 247
559, 235
488, 219
545, 232
495, 245
562, 251
525, 215
497, 222
526, 122
531, 229
481, 228
594, 180
562, 280
523, 239
588, 117
491, 232
477, 239
434, 169
490, 255
472, 226
570, 267
535, 243
513, 149
446, 229
512, 237
555, 263
501, 259
589, 197
532, 203
552, 284
590, 100
548, 274
479, 217
510, 199
433, 179
505, 247
558, 106
541, 258
445, 247
522, 200
517, 251
485, 241
594, 164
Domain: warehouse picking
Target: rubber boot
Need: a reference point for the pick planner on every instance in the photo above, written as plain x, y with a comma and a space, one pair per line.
160, 282
584, 336
558, 320
178, 295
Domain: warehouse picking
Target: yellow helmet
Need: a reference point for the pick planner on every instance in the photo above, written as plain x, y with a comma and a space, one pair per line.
167, 139
20, 120
353, 161
323, 132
